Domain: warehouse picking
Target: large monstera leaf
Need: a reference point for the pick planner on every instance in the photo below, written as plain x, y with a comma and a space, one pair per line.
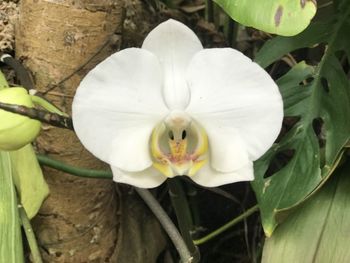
319, 98
317, 230
282, 17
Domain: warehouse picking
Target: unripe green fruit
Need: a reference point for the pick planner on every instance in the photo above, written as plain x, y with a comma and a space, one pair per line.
16, 130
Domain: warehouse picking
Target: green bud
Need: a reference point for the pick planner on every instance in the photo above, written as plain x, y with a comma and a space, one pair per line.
15, 130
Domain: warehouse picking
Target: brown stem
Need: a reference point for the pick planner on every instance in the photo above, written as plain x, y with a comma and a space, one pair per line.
40, 115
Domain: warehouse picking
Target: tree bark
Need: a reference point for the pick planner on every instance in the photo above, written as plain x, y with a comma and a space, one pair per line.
83, 220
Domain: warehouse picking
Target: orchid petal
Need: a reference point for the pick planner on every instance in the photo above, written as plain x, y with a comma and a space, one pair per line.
228, 151
237, 103
116, 107
148, 178
174, 44
208, 177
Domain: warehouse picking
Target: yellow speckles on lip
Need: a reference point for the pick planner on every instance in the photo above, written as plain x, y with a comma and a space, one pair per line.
174, 154
178, 150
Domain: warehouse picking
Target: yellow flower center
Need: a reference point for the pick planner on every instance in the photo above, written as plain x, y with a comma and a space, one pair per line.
179, 145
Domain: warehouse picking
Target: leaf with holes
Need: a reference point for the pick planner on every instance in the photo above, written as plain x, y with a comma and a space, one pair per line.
282, 17
313, 145
275, 48
318, 230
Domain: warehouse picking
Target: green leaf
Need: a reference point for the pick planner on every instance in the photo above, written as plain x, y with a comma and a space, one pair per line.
11, 250
29, 180
275, 48
282, 17
316, 140
318, 230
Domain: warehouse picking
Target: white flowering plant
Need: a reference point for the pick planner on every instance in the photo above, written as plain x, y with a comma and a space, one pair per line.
176, 113
172, 108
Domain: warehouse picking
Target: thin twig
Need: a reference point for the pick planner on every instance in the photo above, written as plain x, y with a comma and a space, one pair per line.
79, 68
215, 190
227, 226
40, 115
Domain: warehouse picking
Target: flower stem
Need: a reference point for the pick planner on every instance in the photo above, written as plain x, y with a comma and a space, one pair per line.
183, 215
28, 230
226, 226
191, 193
167, 224
47, 161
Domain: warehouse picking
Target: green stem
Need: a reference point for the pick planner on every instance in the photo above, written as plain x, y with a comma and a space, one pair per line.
183, 215
47, 161
226, 226
28, 230
191, 193
167, 224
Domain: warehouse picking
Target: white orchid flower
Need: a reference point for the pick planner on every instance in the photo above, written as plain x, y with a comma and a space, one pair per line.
173, 108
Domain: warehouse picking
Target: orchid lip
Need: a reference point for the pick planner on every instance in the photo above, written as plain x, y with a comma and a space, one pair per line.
178, 145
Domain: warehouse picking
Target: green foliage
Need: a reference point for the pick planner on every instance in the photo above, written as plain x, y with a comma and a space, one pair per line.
274, 49
322, 106
11, 250
282, 17
318, 230
29, 180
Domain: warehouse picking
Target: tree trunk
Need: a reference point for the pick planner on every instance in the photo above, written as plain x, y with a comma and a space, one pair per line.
83, 220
